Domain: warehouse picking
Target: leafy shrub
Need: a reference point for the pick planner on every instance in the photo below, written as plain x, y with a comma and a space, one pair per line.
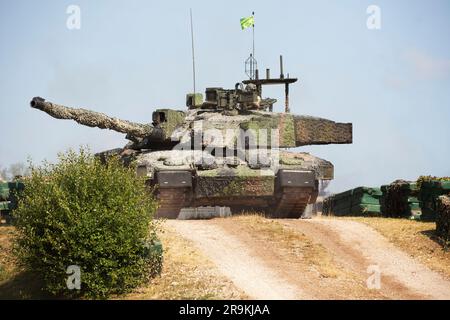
92, 215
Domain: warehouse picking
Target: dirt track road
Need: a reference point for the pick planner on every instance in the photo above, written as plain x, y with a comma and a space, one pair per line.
266, 270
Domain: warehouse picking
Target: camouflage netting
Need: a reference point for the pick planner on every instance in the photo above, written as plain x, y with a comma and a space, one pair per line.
227, 186
8, 197
404, 199
311, 130
443, 218
430, 188
293, 130
283, 122
91, 118
400, 199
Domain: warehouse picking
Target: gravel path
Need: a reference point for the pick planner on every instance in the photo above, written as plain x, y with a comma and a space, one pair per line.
353, 245
359, 246
232, 258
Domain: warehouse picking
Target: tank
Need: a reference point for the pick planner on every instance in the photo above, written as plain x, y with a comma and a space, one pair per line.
229, 150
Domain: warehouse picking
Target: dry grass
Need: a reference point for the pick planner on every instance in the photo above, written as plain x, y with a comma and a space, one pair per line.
187, 274
415, 238
14, 283
7, 265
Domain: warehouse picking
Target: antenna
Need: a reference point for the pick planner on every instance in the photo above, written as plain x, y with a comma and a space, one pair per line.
193, 52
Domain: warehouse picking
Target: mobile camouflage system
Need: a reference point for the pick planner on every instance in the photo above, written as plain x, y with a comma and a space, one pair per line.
224, 151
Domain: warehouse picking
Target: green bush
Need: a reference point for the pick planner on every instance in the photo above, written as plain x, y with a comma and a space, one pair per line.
92, 215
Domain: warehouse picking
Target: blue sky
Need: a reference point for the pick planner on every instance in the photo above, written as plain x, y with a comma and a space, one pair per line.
130, 57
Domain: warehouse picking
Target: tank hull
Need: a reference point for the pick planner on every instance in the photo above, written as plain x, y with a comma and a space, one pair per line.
281, 190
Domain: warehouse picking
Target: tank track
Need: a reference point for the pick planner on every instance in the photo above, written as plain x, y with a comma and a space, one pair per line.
171, 201
293, 201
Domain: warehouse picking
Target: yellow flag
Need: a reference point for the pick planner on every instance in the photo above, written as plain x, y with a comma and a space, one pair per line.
247, 22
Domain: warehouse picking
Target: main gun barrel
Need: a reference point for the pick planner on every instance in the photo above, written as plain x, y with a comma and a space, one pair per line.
91, 118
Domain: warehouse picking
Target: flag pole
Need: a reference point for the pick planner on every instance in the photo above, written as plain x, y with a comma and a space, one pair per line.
253, 31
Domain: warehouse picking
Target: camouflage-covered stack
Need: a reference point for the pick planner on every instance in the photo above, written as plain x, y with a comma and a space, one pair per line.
7, 195
361, 201
4, 196
400, 199
443, 218
430, 188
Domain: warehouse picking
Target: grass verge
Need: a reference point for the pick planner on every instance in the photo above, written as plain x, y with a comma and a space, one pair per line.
416, 238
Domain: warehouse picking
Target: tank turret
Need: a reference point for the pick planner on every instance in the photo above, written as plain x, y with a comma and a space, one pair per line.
169, 126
